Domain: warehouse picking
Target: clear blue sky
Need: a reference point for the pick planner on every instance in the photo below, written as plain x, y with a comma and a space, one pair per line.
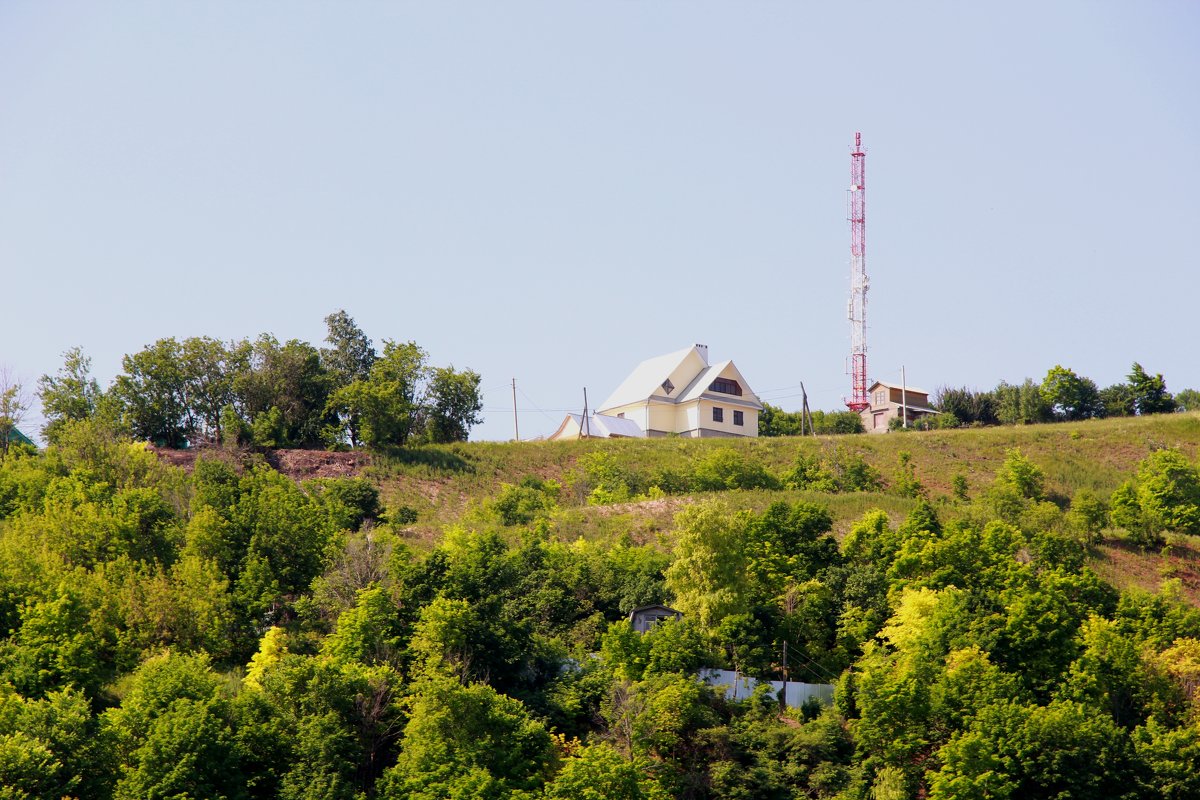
554, 191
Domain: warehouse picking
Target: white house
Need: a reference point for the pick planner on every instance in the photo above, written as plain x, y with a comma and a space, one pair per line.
678, 393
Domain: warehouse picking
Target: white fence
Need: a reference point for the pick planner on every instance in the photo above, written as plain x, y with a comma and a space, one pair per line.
739, 687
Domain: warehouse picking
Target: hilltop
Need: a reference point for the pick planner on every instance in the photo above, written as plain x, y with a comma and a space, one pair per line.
452, 484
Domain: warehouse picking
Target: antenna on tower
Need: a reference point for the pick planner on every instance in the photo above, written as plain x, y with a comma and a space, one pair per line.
857, 308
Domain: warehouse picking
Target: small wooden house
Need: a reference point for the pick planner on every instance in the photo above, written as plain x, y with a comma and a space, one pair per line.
890, 401
646, 617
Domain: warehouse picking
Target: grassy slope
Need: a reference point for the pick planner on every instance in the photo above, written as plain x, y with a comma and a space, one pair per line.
445, 484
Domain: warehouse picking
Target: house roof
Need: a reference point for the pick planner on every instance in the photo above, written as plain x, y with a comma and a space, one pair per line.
15, 435
602, 426
645, 378
912, 389
701, 382
656, 606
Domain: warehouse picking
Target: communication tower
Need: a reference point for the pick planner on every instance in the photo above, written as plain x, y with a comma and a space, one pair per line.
857, 307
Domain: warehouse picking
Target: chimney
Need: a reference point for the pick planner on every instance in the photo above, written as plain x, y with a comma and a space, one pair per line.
702, 349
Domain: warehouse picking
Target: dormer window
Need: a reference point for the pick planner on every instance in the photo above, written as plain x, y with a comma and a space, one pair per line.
725, 386
668, 387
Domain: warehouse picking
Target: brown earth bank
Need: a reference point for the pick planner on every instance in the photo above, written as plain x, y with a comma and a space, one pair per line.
296, 464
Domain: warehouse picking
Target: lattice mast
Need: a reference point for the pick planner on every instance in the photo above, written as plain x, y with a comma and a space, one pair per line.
857, 307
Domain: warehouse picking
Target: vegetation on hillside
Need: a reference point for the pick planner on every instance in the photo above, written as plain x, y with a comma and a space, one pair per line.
231, 633
270, 394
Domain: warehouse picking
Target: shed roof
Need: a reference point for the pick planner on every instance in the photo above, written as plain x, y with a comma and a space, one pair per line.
602, 426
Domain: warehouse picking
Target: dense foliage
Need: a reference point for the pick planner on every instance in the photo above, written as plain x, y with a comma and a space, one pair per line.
270, 394
230, 633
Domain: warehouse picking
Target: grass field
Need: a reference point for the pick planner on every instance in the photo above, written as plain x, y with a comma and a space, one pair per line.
452, 484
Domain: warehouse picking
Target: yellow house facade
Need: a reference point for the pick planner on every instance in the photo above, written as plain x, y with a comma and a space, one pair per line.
681, 393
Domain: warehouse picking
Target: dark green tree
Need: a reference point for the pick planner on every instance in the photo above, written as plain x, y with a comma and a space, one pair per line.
153, 393
452, 404
1149, 392
286, 382
348, 358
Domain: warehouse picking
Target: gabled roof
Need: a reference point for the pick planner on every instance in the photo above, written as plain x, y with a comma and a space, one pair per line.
913, 389
702, 381
645, 379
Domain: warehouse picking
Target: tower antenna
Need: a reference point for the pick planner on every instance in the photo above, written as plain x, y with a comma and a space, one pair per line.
857, 307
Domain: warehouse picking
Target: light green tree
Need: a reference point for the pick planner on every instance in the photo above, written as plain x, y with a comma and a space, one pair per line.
1069, 395
708, 576
69, 396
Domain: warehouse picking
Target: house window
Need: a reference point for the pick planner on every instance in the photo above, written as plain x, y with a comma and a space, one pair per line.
881, 397
718, 414
725, 386
738, 418
668, 387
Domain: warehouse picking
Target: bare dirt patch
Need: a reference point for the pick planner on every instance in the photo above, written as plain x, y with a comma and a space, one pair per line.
298, 465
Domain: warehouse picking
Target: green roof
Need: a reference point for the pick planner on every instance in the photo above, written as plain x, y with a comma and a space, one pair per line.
15, 435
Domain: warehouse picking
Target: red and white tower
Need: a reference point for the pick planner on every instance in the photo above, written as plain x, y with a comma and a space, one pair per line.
857, 308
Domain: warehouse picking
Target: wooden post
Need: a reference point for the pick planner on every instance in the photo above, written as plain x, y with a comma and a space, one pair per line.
516, 428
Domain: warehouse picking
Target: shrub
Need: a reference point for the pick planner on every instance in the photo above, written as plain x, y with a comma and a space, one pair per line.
726, 468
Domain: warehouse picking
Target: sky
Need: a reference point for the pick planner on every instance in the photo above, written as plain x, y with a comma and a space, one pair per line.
554, 191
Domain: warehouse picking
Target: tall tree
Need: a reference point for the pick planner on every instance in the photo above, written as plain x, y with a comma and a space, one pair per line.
290, 379
1149, 392
452, 404
709, 576
209, 370
388, 402
152, 391
348, 359
1070, 396
69, 396
351, 354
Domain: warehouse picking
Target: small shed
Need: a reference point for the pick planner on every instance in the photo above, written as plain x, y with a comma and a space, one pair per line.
646, 617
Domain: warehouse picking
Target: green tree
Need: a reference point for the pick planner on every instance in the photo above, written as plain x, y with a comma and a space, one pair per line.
1163, 496
1020, 751
69, 396
1149, 392
349, 358
1021, 405
1118, 400
153, 394
708, 576
452, 404
13, 405
287, 381
1188, 400
388, 403
1070, 397
467, 742
774, 421
209, 371
600, 772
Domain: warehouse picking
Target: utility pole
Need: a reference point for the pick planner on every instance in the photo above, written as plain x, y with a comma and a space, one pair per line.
585, 427
516, 428
903, 396
805, 414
